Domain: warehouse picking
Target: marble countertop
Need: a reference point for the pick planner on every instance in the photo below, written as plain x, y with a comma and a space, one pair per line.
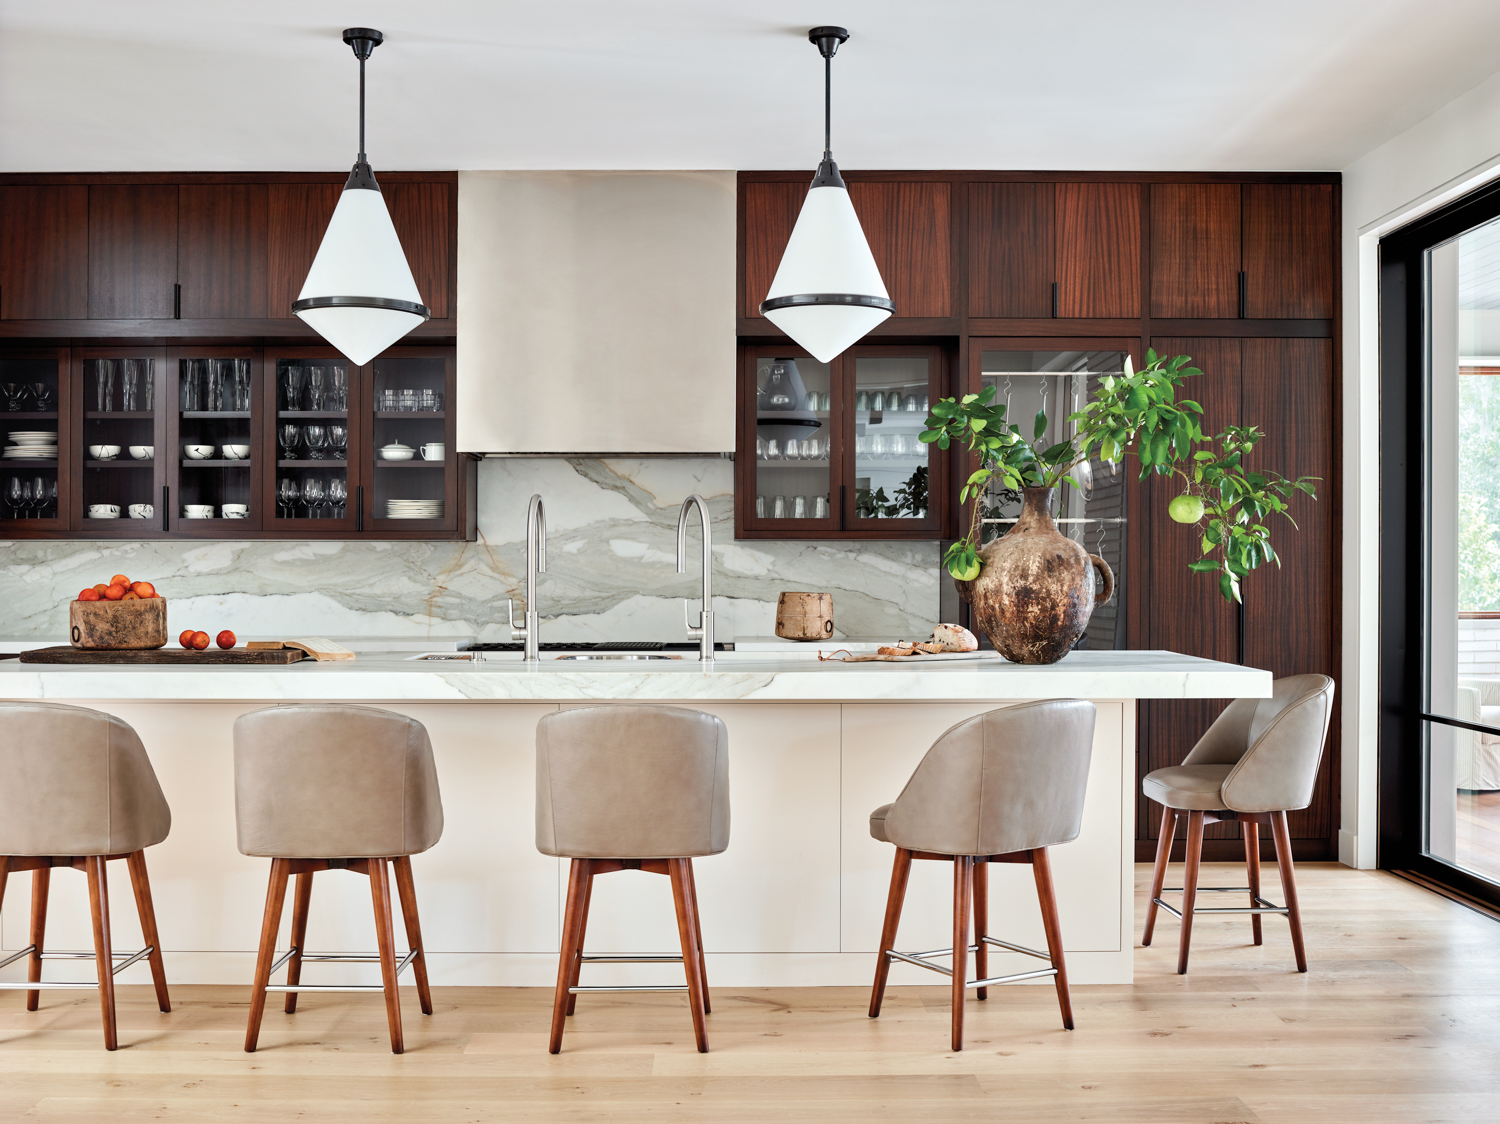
390, 676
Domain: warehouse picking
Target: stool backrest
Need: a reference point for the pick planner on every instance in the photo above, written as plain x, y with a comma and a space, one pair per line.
325, 782
1274, 744
632, 782
75, 781
1007, 780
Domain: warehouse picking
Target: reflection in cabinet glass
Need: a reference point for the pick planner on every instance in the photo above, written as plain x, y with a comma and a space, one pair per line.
118, 450
312, 439
1058, 383
891, 401
214, 442
793, 399
29, 425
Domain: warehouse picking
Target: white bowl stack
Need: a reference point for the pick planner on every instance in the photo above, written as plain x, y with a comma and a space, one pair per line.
31, 445
414, 509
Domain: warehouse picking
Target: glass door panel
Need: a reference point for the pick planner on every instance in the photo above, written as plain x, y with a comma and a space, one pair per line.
30, 384
214, 454
411, 461
120, 399
312, 488
891, 398
1057, 381
794, 401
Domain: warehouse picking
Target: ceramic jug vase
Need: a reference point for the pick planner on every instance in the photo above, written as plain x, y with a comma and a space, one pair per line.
1038, 588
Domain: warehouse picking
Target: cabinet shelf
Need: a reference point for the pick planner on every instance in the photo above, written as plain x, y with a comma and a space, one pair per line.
340, 463
211, 414
411, 464
119, 464
412, 415
31, 415
295, 414
121, 415
189, 462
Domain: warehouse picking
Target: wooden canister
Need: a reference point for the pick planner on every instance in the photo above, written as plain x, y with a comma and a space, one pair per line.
118, 625
804, 616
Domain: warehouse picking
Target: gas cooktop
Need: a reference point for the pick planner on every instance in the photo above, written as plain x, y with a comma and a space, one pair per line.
597, 646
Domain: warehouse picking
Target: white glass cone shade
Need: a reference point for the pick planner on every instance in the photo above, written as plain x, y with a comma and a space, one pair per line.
360, 256
827, 253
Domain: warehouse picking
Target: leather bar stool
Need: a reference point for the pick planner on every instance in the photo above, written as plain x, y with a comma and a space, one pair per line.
631, 788
336, 788
79, 791
1258, 761
1002, 786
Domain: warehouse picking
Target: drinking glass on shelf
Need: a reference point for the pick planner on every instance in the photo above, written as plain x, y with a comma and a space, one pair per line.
317, 391
104, 373
909, 404
877, 446
41, 395
896, 444
922, 404
148, 383
24, 506
790, 450
289, 435
778, 507
427, 400
187, 386
760, 507
15, 398
52, 497
15, 497
338, 389
861, 402
287, 494
877, 402
312, 497
338, 442
241, 384
215, 374
387, 401
130, 378
820, 507
799, 507
760, 448
296, 379
408, 403
38, 495
338, 497
773, 449
315, 437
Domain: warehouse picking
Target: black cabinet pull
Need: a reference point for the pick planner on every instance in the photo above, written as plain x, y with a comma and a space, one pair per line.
841, 506
166, 493
359, 508
1054, 300
176, 302
1242, 294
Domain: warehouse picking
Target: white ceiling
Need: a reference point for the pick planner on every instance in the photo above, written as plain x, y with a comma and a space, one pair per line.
119, 85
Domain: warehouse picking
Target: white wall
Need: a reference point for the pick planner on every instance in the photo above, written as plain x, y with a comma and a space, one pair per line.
1428, 165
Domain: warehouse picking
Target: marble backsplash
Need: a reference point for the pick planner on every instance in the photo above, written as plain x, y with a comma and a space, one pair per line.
611, 568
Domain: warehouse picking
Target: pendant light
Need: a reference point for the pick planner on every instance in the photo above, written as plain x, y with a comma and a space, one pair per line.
827, 292
359, 294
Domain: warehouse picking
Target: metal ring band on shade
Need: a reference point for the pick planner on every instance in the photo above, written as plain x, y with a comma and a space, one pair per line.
363, 302
802, 300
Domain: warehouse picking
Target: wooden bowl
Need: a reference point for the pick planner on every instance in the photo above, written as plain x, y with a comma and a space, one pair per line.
118, 625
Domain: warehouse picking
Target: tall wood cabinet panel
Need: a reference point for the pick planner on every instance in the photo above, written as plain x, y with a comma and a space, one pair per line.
1289, 248
44, 264
298, 217
1195, 249
421, 214
1010, 249
770, 213
132, 251
221, 250
1098, 270
910, 230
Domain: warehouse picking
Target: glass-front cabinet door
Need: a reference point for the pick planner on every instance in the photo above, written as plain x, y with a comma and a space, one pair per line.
34, 424
795, 454
215, 444
409, 470
890, 471
312, 394
121, 451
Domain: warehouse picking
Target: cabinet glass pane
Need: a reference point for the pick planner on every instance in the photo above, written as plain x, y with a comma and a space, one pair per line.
213, 427
312, 439
119, 439
409, 448
792, 469
1059, 382
28, 395
891, 399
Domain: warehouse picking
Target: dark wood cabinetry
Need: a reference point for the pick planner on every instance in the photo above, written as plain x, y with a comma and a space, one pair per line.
1195, 250
44, 253
221, 250
132, 251
299, 214
1011, 255
1290, 246
1098, 229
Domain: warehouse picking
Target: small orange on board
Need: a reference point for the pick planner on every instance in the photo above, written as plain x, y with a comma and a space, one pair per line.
186, 638
200, 640
225, 639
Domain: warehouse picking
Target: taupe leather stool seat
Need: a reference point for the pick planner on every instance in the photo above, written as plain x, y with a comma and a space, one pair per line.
1258, 761
1000, 787
631, 788
336, 788
77, 790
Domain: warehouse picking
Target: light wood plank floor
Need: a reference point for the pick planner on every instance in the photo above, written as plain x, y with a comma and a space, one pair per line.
1398, 1020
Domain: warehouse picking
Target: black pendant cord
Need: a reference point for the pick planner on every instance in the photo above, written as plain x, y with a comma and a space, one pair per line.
827, 108
362, 159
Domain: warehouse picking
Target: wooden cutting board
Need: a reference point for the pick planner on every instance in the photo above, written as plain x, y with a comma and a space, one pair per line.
178, 656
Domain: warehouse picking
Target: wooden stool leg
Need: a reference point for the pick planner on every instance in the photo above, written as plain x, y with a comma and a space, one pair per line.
1041, 869
99, 909
385, 936
1283, 839
981, 924
900, 871
963, 892
1190, 887
687, 933
407, 889
270, 925
141, 885
692, 889
41, 881
1251, 830
572, 940
1164, 837
583, 928
301, 900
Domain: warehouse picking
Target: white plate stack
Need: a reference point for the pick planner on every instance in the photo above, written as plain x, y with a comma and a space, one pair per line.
414, 509
31, 445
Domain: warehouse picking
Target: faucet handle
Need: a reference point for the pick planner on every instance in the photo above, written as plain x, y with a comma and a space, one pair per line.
517, 631
694, 631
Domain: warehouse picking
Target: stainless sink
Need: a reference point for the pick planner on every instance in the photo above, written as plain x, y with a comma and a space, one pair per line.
618, 656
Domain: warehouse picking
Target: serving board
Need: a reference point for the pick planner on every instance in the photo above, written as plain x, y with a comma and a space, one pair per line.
179, 656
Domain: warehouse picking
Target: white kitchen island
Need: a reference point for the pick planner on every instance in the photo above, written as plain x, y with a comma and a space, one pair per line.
796, 900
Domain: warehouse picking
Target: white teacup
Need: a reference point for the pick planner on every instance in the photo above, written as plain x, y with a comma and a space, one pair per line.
142, 453
142, 511
104, 453
104, 509
434, 451
234, 510
198, 510
198, 452
234, 452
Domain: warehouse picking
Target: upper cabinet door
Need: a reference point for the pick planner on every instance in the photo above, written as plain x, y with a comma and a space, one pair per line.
910, 230
770, 213
421, 214
132, 251
1098, 250
1195, 250
1010, 249
1288, 251
44, 269
221, 251
299, 214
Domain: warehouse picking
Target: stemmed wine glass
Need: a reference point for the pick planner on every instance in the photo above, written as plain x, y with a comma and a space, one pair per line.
338, 496
315, 437
15, 497
338, 442
289, 435
287, 494
43, 395
52, 497
317, 378
296, 379
312, 497
338, 394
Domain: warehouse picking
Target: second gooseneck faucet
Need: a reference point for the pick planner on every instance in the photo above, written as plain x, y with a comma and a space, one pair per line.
536, 563
703, 631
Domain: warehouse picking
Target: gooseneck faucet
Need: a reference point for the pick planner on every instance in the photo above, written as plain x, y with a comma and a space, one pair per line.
536, 563
703, 631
